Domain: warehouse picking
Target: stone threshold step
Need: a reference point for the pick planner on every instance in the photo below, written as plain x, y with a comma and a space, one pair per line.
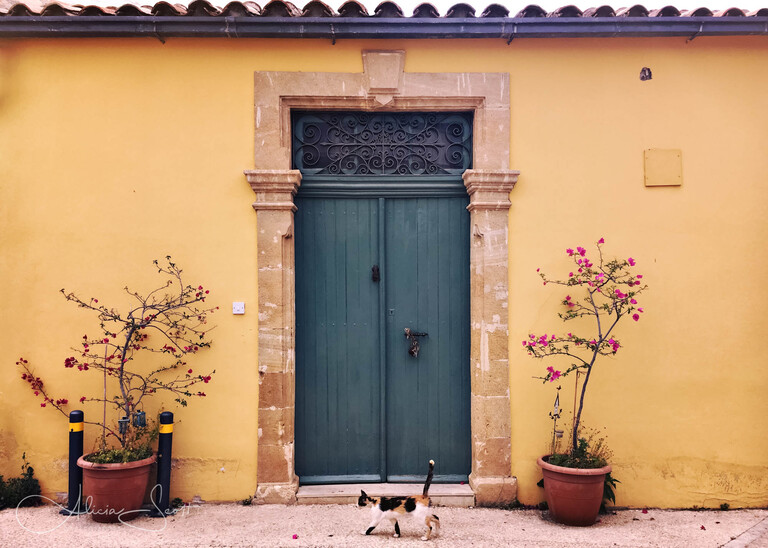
441, 494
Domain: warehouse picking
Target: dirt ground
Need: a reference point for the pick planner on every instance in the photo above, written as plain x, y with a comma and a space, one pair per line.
221, 525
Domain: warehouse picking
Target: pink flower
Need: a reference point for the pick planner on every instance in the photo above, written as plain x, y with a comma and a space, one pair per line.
639, 276
569, 251
581, 251
553, 374
295, 537
601, 241
633, 301
635, 317
640, 310
631, 261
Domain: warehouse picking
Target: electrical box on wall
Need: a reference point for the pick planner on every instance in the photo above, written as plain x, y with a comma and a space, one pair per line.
238, 308
663, 167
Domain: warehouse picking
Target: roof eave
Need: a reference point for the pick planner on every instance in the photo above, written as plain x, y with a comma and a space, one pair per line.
339, 28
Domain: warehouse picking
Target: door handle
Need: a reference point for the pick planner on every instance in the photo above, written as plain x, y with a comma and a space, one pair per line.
413, 336
375, 276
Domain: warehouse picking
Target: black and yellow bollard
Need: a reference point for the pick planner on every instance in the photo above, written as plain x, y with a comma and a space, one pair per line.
161, 491
75, 504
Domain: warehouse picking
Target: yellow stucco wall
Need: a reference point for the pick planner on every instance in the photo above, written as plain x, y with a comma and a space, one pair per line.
116, 152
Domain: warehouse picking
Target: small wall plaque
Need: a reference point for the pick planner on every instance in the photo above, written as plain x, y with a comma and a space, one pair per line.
663, 167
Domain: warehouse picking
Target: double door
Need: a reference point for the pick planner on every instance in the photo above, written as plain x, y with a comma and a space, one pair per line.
373, 405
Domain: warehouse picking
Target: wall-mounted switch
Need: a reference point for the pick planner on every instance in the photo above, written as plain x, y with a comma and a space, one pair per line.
238, 308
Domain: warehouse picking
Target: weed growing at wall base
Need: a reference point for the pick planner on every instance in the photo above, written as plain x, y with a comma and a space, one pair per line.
21, 491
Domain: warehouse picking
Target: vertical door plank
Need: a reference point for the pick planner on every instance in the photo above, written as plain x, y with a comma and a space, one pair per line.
337, 351
427, 246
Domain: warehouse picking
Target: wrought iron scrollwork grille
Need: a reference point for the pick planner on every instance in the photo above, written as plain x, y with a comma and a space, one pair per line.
382, 143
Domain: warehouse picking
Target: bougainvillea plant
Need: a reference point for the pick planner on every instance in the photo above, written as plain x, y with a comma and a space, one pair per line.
166, 326
600, 293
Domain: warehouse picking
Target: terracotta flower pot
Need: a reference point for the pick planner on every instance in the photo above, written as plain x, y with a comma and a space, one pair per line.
115, 491
573, 494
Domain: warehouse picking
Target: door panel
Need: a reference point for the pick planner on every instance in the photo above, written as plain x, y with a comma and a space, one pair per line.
428, 291
338, 386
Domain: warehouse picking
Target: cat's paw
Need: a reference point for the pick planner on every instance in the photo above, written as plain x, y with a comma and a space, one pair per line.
425, 537
364, 532
396, 535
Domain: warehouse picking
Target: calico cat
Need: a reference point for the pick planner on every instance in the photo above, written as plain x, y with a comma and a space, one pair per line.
393, 508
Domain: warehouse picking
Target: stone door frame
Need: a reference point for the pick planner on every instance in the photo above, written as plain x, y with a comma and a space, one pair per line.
384, 85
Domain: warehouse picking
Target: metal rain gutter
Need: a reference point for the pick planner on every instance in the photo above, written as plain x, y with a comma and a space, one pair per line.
338, 28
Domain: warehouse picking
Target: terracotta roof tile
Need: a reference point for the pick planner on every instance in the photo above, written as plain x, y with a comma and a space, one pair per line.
601, 11
241, 9
201, 8
317, 9
566, 11
531, 10
495, 10
666, 11
131, 9
460, 11
633, 11
731, 12
353, 9
388, 9
698, 12
59, 10
424, 11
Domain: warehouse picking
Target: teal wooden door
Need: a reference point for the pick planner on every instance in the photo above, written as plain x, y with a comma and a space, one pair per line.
366, 409
381, 245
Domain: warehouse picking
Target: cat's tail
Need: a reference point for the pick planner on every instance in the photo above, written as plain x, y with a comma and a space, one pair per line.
429, 478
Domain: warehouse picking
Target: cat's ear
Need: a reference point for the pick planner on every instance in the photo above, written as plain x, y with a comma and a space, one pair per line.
363, 494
